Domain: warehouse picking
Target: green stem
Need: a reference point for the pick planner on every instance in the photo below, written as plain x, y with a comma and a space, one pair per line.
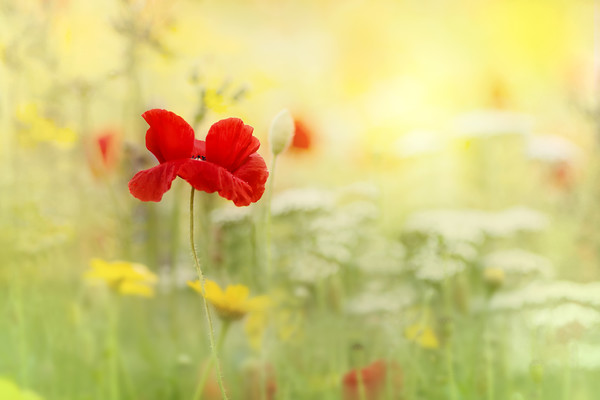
487, 350
268, 220
449, 350
362, 392
113, 365
208, 367
567, 372
211, 334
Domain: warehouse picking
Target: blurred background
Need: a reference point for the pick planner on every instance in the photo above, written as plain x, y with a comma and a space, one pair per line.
434, 217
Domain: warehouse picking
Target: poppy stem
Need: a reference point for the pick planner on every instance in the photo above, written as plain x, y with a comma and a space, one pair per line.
208, 367
211, 331
268, 221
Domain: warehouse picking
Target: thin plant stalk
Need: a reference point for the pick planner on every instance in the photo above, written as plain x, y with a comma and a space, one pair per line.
206, 371
489, 367
268, 220
113, 349
362, 392
448, 345
211, 334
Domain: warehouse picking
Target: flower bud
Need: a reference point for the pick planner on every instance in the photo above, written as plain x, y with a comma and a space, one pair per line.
493, 278
281, 132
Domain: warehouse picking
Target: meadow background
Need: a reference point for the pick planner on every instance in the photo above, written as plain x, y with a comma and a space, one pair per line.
433, 225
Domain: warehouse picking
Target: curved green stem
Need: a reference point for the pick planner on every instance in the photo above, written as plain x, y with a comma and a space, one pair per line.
211, 334
362, 391
208, 367
113, 350
268, 221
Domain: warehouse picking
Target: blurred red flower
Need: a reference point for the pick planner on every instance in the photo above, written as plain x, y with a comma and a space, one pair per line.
103, 152
226, 162
373, 378
302, 136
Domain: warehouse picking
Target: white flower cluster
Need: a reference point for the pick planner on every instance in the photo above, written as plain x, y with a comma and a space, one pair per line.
454, 225
565, 314
519, 262
230, 215
544, 293
492, 122
552, 148
513, 220
435, 261
377, 301
436, 269
302, 200
383, 256
311, 269
468, 225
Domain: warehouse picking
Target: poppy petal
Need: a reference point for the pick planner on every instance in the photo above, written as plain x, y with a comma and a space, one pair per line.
199, 148
244, 187
151, 184
229, 143
254, 172
169, 136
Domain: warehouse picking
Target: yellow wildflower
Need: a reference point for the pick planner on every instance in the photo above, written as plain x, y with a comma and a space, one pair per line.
423, 335
255, 327
215, 101
232, 303
36, 128
124, 277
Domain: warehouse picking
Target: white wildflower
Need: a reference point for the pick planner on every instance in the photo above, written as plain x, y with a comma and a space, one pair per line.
437, 269
382, 256
519, 262
565, 314
552, 148
544, 293
377, 301
230, 215
456, 225
311, 269
302, 200
513, 220
330, 248
492, 122
473, 225
464, 250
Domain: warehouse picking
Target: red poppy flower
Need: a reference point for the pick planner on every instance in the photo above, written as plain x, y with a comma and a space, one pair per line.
226, 162
103, 152
373, 378
302, 136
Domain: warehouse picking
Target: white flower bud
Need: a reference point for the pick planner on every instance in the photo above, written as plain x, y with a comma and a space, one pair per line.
281, 132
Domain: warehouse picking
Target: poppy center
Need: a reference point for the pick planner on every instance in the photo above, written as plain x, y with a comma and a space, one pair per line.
199, 157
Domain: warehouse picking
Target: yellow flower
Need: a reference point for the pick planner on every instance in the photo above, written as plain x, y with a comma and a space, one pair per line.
423, 335
215, 101
255, 327
125, 278
36, 128
233, 303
